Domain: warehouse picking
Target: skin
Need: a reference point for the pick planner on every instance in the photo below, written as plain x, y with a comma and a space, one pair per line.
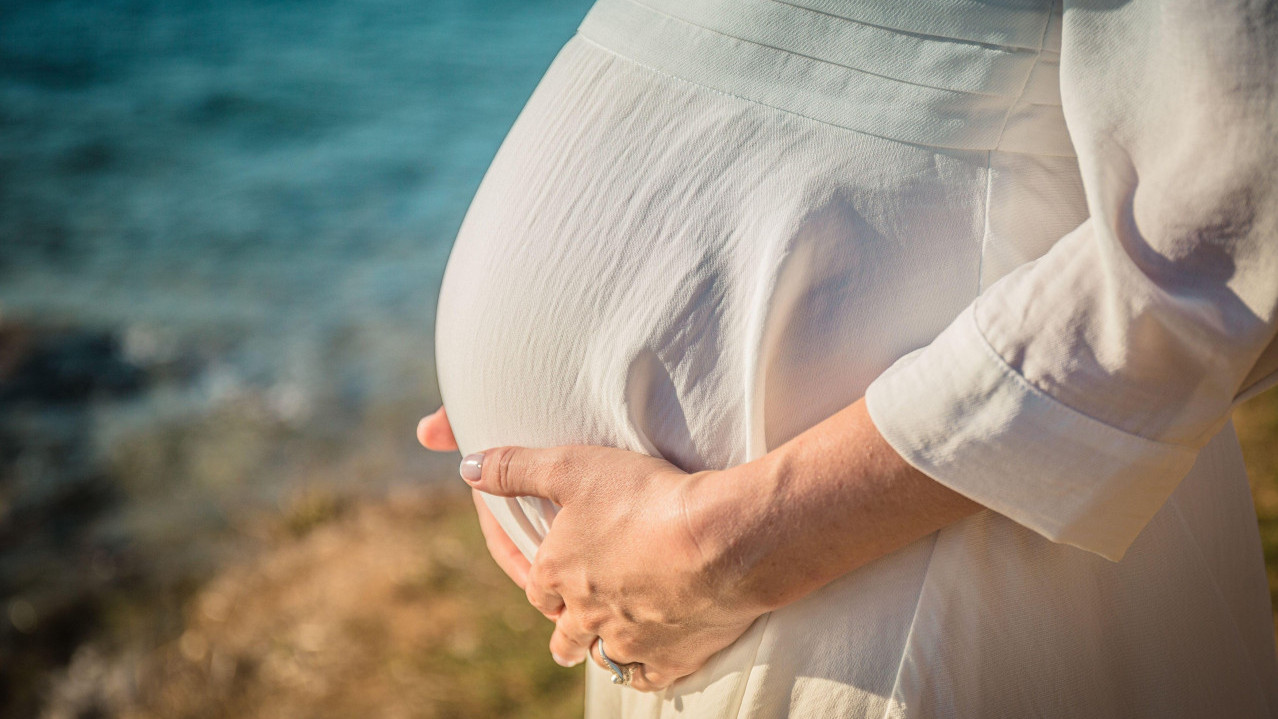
670, 567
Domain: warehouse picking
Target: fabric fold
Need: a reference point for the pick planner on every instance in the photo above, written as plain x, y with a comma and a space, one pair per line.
957, 412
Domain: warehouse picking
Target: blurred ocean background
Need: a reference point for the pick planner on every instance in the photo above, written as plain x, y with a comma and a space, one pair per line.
222, 231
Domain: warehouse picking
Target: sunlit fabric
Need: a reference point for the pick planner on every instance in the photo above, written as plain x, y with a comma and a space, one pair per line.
1040, 240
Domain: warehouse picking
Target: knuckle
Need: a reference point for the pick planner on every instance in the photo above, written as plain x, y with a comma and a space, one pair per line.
543, 577
593, 622
630, 636
536, 570
582, 639
556, 465
545, 602
573, 629
559, 459
539, 601
626, 649
502, 468
561, 643
568, 639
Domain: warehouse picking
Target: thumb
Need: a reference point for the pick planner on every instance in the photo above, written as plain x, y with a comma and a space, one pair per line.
522, 472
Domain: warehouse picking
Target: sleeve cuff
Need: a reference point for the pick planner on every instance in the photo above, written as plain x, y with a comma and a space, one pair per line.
957, 412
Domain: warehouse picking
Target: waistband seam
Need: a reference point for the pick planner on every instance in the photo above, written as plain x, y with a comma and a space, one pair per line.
582, 35
853, 68
906, 33
718, 91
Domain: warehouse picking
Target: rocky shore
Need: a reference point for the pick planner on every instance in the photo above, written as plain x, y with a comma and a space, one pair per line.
173, 551
133, 474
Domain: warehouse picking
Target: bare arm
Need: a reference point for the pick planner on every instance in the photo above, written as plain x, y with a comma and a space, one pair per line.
830, 500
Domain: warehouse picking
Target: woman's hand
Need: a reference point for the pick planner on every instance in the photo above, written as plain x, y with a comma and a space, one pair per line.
435, 433
668, 567
623, 560
620, 560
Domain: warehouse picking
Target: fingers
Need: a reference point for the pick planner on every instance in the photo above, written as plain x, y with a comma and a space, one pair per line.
521, 471
505, 553
435, 433
545, 600
643, 678
570, 643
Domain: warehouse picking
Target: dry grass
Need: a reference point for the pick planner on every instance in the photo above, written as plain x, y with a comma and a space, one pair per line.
389, 609
392, 608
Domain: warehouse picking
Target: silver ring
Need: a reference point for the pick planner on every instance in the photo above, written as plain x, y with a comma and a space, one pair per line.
621, 673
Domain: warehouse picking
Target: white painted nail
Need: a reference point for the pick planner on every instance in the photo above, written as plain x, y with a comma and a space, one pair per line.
472, 467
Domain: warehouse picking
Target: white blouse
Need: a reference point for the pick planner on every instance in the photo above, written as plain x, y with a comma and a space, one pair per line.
1041, 241
1075, 393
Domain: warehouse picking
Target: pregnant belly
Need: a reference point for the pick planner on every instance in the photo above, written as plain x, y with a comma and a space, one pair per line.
652, 265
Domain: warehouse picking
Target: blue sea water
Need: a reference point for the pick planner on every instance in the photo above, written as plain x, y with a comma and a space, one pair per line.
223, 225
274, 184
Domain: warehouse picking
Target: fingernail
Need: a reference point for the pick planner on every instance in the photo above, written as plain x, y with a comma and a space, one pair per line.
472, 467
565, 662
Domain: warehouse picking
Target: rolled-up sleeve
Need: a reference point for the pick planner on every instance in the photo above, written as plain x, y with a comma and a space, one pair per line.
1073, 395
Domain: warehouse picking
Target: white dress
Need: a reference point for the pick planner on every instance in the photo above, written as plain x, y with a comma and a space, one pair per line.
1041, 242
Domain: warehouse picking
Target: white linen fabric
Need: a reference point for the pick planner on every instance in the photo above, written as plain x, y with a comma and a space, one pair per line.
717, 222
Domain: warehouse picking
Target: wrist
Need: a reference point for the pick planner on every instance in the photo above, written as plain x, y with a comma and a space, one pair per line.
733, 520
824, 503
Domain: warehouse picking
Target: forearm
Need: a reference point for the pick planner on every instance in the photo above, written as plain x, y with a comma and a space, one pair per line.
830, 500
